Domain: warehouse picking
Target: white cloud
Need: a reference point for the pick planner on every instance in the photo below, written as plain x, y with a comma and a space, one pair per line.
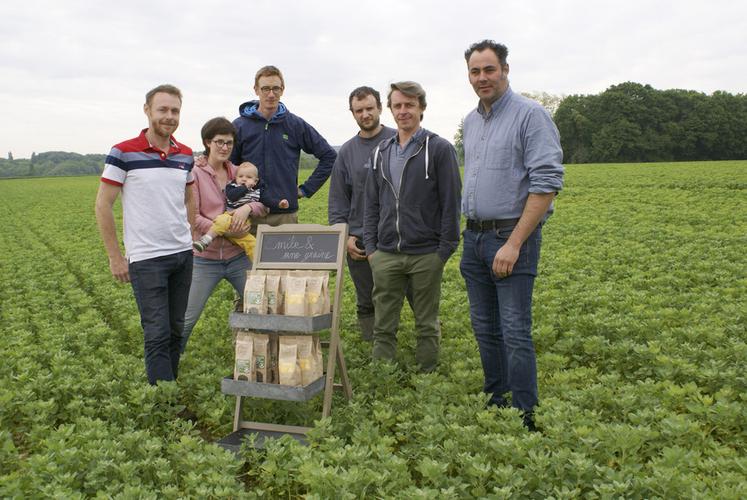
74, 73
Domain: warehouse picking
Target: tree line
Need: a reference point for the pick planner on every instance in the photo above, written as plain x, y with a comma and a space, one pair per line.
52, 163
631, 122
60, 163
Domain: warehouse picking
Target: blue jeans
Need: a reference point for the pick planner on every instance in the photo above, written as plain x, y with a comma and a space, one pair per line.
501, 314
206, 275
161, 288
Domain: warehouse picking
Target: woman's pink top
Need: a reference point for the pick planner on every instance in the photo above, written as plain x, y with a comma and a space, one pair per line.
211, 202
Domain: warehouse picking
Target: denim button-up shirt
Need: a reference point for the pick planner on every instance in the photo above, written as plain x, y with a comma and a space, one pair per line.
509, 152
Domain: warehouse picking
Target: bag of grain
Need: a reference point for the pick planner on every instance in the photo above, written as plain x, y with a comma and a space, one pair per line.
244, 365
255, 301
288, 361
314, 297
305, 358
272, 292
261, 357
295, 296
316, 356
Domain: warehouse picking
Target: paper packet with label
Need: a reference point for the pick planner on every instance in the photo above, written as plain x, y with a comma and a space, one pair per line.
244, 364
288, 368
255, 301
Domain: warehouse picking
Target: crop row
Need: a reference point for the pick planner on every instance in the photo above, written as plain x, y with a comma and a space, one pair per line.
639, 328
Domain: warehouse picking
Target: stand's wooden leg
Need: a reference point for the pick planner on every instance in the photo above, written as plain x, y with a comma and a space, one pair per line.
330, 380
237, 413
346, 387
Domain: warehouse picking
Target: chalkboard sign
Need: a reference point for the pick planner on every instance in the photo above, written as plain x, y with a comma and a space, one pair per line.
300, 246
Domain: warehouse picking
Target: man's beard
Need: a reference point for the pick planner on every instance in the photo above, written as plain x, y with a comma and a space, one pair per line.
163, 130
368, 128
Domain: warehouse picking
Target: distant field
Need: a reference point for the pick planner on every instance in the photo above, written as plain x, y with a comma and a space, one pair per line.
640, 329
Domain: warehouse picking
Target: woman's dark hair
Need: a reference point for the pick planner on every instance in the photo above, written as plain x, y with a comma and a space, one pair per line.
213, 127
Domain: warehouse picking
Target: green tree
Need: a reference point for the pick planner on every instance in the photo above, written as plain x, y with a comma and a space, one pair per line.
459, 142
548, 101
574, 122
631, 122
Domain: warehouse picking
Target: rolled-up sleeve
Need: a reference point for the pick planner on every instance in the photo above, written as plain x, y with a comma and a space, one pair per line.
543, 155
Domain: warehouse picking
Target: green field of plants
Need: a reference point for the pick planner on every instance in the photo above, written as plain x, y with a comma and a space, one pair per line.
640, 329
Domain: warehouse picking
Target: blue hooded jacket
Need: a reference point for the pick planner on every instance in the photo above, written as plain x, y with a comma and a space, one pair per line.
274, 146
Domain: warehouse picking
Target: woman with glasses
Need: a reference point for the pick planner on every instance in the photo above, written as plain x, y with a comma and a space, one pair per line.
222, 259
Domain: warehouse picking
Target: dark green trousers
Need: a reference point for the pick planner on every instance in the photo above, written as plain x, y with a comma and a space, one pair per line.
392, 273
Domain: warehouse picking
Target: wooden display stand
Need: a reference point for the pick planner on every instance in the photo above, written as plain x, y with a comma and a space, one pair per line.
293, 247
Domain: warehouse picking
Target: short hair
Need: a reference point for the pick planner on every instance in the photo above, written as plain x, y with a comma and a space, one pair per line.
501, 51
213, 127
165, 88
410, 89
268, 71
247, 165
362, 93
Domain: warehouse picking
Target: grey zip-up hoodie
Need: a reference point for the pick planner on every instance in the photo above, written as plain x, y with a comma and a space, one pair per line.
423, 215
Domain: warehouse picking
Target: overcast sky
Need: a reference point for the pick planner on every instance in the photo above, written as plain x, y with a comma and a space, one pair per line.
73, 73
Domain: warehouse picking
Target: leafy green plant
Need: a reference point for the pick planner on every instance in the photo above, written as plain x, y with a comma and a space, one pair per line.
639, 325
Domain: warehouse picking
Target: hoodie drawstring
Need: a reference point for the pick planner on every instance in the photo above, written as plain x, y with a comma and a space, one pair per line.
426, 157
376, 156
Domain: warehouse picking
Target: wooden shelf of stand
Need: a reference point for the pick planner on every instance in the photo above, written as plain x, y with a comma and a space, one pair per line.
280, 323
245, 388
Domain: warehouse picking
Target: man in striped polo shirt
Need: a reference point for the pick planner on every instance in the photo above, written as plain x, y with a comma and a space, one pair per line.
153, 173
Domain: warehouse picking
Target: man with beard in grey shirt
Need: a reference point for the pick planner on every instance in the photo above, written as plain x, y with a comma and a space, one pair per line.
346, 194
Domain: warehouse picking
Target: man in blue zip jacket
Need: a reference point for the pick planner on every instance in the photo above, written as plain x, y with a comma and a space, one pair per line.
271, 137
411, 225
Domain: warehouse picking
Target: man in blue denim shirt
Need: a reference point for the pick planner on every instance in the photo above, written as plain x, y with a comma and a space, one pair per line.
512, 172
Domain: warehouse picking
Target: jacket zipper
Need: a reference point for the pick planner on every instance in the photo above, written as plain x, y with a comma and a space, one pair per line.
396, 193
264, 143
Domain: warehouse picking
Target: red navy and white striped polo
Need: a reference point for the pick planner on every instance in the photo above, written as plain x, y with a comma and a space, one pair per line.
153, 186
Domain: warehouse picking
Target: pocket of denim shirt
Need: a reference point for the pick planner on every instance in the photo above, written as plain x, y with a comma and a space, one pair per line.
500, 158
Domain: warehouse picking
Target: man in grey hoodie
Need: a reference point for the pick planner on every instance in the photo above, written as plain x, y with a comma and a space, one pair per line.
411, 224
346, 195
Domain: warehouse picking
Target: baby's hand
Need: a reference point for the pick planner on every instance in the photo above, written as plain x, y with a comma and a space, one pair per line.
283, 204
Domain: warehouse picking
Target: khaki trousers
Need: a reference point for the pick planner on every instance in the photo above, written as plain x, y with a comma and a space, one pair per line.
392, 274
